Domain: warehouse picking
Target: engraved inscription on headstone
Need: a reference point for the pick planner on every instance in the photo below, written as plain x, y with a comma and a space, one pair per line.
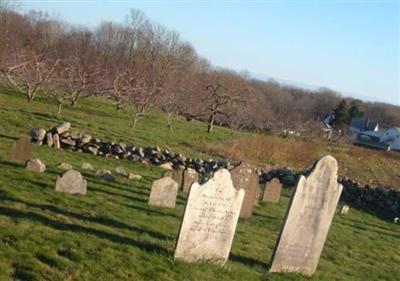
245, 177
272, 192
21, 150
163, 193
308, 221
210, 219
189, 177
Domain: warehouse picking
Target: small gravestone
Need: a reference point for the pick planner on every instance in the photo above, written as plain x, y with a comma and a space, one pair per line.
272, 192
121, 171
64, 166
163, 193
176, 175
87, 166
244, 177
189, 177
49, 139
344, 210
210, 219
71, 182
21, 150
308, 221
105, 175
35, 165
132, 176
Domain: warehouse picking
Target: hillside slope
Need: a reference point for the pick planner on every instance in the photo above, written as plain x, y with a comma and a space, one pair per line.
112, 234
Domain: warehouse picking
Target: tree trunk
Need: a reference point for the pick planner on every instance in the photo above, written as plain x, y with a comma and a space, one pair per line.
59, 108
210, 124
169, 121
135, 119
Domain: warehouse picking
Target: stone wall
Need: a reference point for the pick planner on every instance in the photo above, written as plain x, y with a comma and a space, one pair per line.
382, 201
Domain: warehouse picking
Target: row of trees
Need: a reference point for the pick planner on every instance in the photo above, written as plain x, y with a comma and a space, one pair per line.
140, 64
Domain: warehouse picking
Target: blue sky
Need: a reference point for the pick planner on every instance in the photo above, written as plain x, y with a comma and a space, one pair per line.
348, 46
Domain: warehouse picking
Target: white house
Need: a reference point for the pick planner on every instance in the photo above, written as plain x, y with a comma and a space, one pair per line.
388, 139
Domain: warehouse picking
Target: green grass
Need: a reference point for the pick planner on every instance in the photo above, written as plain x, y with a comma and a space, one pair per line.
112, 234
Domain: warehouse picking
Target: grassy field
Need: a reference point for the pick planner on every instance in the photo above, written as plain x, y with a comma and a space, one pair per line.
112, 234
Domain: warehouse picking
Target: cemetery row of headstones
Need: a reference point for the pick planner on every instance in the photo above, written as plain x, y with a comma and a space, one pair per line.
214, 207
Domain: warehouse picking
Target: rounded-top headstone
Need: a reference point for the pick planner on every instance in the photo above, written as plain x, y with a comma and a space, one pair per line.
71, 182
35, 165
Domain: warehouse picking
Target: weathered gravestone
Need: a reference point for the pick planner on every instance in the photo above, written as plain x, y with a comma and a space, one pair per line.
210, 219
189, 177
163, 193
35, 165
71, 182
21, 150
272, 192
344, 210
308, 221
176, 175
244, 177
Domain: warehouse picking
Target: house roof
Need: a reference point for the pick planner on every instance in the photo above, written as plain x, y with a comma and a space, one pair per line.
363, 124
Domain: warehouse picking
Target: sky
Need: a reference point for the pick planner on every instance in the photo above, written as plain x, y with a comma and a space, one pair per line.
348, 46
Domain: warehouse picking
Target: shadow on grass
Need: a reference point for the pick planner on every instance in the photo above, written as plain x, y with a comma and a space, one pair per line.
8, 137
62, 226
100, 220
256, 214
247, 261
151, 211
117, 194
366, 227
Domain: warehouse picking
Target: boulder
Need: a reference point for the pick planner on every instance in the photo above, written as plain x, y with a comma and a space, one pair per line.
35, 165
49, 139
56, 141
38, 134
61, 128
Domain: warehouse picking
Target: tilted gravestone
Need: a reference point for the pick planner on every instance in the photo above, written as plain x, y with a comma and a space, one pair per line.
189, 177
21, 150
308, 221
272, 192
210, 219
244, 177
163, 193
71, 182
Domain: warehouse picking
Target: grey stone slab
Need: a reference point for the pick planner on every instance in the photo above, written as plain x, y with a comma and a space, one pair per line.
163, 193
21, 150
71, 182
272, 192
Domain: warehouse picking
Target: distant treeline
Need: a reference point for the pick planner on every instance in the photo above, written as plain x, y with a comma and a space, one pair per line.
140, 64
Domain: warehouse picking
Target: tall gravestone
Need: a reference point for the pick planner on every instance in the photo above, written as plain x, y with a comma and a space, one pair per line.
21, 150
272, 192
176, 175
244, 177
210, 219
163, 193
308, 221
189, 177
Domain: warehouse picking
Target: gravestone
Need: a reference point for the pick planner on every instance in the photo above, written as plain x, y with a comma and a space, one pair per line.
272, 192
189, 177
121, 171
35, 165
176, 175
71, 182
210, 219
64, 166
105, 175
244, 177
21, 150
344, 210
308, 221
87, 166
133, 176
163, 193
